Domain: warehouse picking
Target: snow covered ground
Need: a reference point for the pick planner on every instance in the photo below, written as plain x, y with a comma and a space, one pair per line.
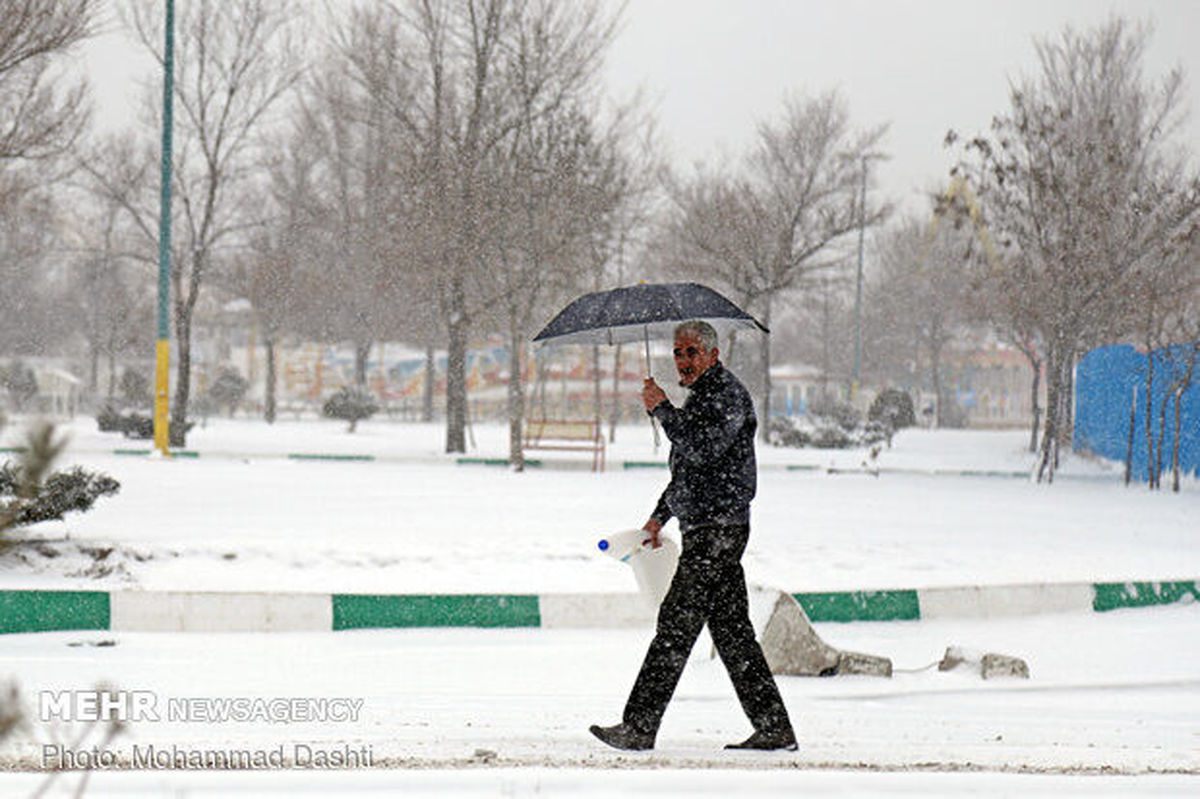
1112, 707
243, 517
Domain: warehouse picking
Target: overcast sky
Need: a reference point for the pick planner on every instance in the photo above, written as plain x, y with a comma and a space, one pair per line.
713, 68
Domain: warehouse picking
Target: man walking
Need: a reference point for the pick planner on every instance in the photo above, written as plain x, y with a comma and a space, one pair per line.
713, 478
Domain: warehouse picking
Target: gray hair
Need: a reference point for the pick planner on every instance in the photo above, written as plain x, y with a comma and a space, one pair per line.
701, 330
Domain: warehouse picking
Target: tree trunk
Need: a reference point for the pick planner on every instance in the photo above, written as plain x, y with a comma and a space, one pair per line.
362, 352
1036, 366
1046, 461
1162, 435
1150, 476
269, 387
1066, 429
112, 375
1066, 397
516, 402
1132, 430
764, 423
597, 412
615, 413
1178, 430
183, 384
826, 337
456, 385
93, 369
1184, 384
430, 379
935, 373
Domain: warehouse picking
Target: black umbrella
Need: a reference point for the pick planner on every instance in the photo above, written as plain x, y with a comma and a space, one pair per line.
641, 312
644, 311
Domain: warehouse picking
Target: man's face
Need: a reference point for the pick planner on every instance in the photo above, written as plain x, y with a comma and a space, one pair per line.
691, 358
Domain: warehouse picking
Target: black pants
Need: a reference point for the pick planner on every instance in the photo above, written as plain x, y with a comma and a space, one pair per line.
709, 586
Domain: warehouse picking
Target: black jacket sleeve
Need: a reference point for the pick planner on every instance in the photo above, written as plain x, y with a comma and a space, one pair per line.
702, 431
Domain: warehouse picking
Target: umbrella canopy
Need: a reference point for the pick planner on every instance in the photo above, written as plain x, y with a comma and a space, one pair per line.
641, 312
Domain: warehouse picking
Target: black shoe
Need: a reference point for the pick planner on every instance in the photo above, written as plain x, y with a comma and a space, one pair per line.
767, 741
622, 736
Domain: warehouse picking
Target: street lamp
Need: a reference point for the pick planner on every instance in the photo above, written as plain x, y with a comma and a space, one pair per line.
862, 225
163, 348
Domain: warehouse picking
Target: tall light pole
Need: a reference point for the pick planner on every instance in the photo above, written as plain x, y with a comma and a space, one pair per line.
862, 226
162, 363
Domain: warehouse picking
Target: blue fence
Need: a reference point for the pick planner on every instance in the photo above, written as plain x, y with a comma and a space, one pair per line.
1105, 383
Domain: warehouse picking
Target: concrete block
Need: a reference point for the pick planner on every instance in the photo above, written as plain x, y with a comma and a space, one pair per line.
988, 665
956, 656
792, 646
858, 663
994, 665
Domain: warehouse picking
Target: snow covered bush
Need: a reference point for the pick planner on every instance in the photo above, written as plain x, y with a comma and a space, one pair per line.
132, 424
62, 492
30, 492
832, 411
893, 408
351, 405
108, 419
20, 383
228, 390
135, 389
832, 425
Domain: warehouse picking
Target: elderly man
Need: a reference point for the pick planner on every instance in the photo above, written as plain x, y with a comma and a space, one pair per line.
713, 477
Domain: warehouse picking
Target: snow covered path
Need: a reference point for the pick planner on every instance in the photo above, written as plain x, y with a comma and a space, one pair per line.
1110, 694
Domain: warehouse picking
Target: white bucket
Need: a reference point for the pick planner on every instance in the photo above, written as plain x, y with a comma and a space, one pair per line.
652, 568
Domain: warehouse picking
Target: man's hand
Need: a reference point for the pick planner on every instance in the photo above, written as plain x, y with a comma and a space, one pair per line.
653, 527
652, 394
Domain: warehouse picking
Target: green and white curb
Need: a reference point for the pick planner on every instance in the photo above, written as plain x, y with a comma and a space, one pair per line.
24, 611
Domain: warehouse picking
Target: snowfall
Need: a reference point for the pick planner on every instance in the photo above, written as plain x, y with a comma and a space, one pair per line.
1112, 706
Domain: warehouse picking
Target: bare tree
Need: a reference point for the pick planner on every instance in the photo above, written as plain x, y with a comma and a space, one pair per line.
41, 117
115, 308
1162, 305
554, 202
995, 297
783, 219
1080, 178
38, 119
30, 291
268, 281
920, 301
234, 64
476, 71
352, 194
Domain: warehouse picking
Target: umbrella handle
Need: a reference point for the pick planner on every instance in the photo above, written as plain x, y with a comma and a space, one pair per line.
653, 421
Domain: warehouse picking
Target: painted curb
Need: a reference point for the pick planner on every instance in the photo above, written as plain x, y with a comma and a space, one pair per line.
367, 611
325, 456
188, 611
145, 453
43, 611
24, 611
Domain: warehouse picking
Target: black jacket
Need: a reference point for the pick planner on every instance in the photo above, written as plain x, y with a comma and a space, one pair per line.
713, 473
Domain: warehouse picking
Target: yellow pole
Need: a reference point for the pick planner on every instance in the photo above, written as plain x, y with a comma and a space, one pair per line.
162, 374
